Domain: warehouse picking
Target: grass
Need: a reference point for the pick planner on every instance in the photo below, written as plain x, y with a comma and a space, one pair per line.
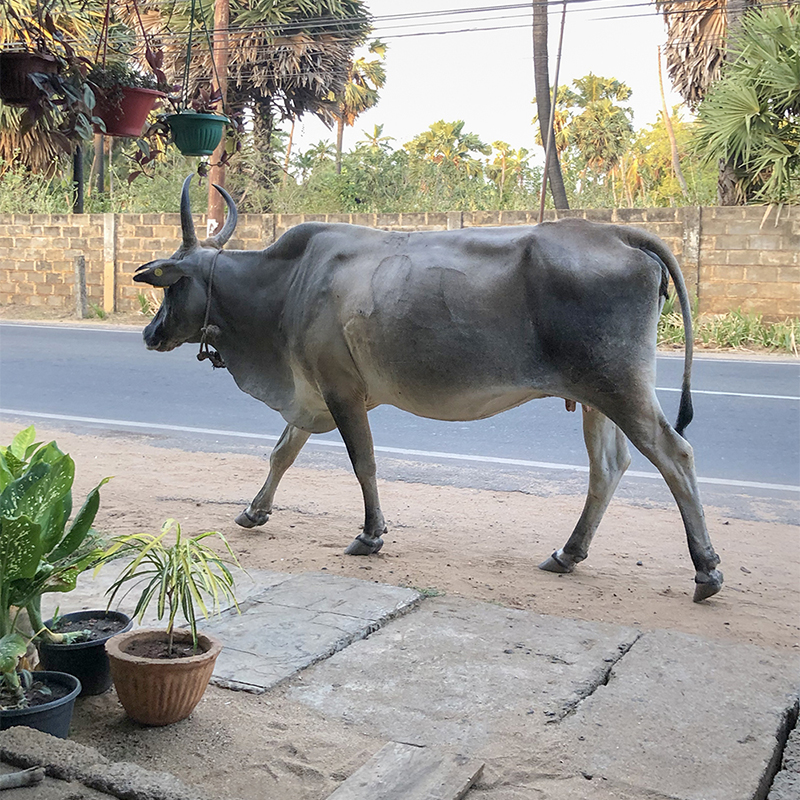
148, 303
98, 311
736, 330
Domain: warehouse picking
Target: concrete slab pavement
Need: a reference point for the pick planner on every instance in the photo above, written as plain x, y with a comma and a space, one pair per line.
591, 709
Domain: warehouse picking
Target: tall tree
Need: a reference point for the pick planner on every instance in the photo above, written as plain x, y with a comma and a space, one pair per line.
448, 143
375, 142
697, 38
751, 117
364, 81
541, 76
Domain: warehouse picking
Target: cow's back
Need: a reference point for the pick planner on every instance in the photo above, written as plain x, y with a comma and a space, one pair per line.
464, 324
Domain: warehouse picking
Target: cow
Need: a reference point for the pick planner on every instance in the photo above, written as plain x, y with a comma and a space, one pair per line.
333, 320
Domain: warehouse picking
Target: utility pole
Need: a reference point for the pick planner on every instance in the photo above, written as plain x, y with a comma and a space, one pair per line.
216, 207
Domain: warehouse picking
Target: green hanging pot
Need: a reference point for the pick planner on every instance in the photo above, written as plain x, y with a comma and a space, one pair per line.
196, 134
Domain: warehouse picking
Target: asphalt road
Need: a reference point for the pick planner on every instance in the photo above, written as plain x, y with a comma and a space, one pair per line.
746, 431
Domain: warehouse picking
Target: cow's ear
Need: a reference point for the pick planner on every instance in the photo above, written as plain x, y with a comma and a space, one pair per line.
161, 273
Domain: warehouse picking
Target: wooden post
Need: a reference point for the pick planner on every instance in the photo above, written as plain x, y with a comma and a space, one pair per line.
216, 206
81, 303
77, 180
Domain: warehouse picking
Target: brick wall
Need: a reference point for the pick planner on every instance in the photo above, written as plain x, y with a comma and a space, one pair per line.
746, 258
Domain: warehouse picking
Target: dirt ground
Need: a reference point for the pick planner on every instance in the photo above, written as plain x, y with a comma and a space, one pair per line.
465, 542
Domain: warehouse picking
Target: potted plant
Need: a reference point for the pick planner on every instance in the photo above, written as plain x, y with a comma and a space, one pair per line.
124, 97
161, 674
197, 130
16, 68
38, 553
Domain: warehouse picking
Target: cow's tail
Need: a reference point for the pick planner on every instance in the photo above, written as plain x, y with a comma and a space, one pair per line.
655, 248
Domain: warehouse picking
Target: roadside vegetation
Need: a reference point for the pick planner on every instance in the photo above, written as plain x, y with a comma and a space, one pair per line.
736, 330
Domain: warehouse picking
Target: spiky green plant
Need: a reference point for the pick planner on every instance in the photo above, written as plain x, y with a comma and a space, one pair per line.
175, 575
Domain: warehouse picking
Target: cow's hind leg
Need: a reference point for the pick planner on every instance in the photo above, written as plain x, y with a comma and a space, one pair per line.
608, 460
351, 419
649, 431
282, 457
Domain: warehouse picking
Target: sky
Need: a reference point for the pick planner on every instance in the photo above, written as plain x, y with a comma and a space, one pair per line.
485, 77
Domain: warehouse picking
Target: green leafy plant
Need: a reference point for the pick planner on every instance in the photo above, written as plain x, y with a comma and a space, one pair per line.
176, 576
736, 329
118, 73
98, 311
39, 551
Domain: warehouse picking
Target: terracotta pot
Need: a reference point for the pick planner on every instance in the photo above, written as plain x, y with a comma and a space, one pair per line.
124, 111
16, 87
160, 691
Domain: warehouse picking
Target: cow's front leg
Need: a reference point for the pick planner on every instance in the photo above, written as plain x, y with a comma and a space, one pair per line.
608, 460
282, 457
350, 416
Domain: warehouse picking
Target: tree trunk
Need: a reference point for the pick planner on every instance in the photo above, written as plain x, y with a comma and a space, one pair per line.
339, 141
728, 193
288, 153
673, 145
541, 76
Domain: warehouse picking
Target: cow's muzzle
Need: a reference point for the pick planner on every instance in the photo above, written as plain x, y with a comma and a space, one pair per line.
155, 339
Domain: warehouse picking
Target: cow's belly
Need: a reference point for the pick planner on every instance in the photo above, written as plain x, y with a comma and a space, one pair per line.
453, 406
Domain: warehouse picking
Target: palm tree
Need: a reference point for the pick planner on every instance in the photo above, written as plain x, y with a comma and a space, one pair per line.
602, 131
286, 57
561, 119
446, 142
63, 29
697, 35
695, 48
751, 118
375, 142
321, 152
541, 76
365, 79
507, 163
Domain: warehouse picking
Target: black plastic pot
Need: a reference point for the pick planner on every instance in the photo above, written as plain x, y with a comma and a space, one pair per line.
87, 661
53, 717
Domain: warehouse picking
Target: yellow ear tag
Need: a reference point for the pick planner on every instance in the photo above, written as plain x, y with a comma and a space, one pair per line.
158, 272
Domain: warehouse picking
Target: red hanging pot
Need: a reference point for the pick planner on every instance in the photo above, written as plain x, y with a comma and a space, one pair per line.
16, 87
124, 109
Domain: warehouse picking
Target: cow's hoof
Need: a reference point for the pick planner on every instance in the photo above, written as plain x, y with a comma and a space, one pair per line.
707, 584
556, 563
362, 546
248, 520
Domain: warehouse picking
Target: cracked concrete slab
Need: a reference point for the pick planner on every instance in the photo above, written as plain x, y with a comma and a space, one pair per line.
690, 717
463, 669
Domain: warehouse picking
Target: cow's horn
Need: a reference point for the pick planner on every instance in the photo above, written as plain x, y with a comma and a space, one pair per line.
187, 224
230, 220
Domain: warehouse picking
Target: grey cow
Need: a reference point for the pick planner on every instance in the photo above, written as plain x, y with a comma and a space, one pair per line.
333, 320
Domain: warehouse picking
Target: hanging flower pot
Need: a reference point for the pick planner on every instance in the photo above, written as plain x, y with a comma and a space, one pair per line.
196, 134
16, 87
124, 109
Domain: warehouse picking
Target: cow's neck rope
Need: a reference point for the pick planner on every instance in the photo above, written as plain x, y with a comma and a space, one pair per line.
210, 330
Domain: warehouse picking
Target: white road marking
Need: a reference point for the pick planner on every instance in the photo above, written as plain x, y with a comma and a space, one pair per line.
512, 462
733, 394
107, 329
